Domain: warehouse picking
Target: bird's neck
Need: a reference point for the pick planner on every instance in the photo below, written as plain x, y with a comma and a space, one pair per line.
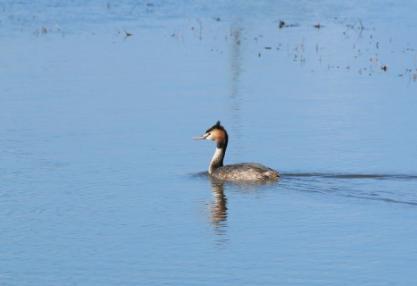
217, 159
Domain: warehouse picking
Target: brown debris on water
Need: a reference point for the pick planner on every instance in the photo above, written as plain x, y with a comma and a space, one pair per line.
44, 30
283, 24
318, 26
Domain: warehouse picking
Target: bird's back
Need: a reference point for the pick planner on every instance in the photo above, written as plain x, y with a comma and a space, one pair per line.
245, 172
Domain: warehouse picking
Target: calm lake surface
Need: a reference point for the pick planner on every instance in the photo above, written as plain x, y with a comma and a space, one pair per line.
101, 183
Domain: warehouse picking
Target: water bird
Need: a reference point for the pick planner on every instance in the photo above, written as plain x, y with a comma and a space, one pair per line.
243, 172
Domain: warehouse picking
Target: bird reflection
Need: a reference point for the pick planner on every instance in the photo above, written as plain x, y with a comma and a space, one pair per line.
218, 208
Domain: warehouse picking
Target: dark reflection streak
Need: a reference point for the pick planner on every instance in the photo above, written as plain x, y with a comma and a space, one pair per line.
235, 72
235, 63
218, 207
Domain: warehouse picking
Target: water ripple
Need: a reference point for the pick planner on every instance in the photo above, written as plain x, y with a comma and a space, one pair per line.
350, 176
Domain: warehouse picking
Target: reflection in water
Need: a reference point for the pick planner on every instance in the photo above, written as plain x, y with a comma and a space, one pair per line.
218, 211
235, 71
219, 206
235, 62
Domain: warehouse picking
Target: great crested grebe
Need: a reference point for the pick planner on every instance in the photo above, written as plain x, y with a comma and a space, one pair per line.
237, 172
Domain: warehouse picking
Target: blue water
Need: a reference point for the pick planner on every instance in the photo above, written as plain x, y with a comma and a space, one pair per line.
101, 183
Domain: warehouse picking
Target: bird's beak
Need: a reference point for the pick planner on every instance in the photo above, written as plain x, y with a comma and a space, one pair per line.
202, 137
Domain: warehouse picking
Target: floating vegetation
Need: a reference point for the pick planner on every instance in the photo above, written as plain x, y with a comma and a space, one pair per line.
43, 30
283, 24
365, 50
364, 45
318, 26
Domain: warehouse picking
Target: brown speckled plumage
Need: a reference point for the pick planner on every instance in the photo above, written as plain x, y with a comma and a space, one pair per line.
245, 172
